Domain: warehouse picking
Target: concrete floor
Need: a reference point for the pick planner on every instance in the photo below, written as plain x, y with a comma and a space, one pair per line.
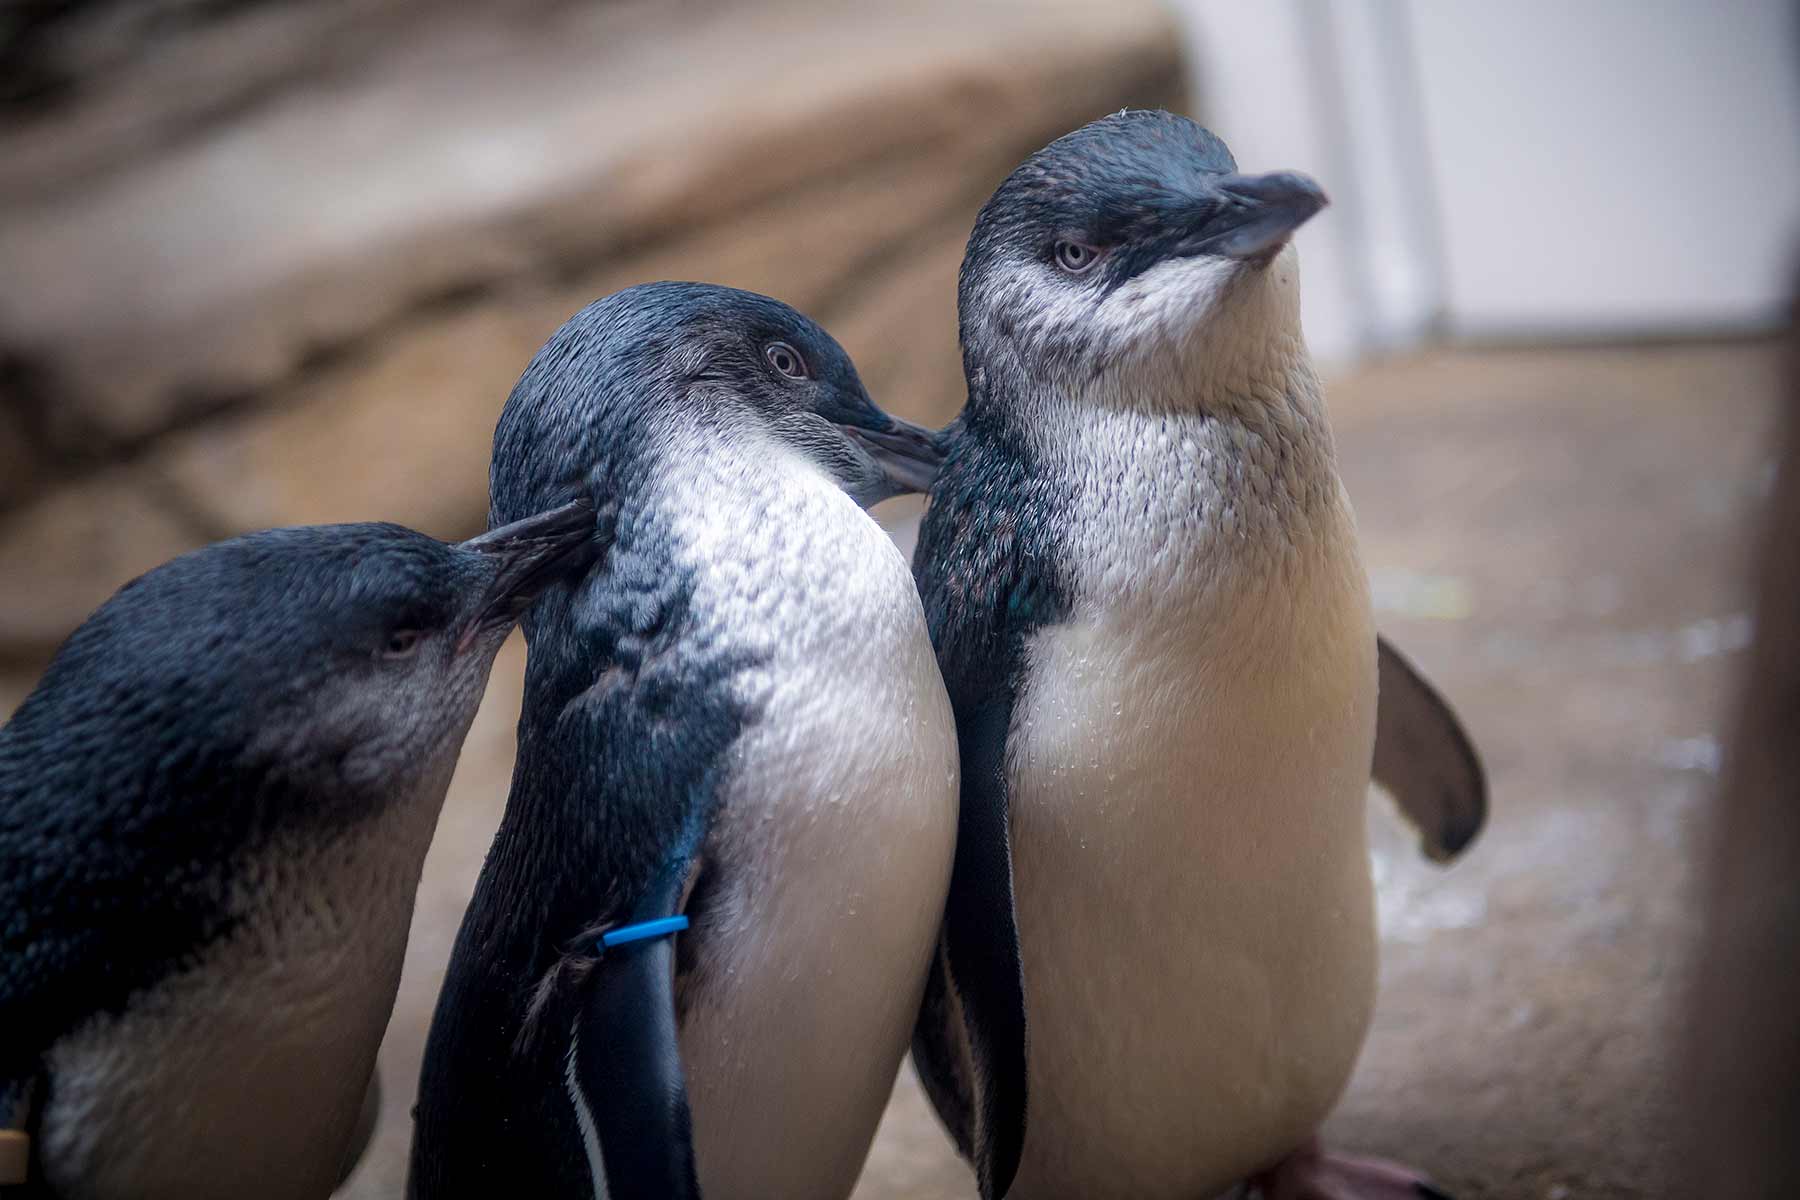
1557, 538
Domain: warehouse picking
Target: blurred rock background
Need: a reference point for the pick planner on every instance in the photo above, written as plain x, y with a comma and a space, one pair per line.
275, 263
268, 261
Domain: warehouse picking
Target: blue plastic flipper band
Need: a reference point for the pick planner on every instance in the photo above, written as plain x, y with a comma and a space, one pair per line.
643, 931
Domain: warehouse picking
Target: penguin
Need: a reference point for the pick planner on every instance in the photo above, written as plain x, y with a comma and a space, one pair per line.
214, 808
694, 955
1142, 580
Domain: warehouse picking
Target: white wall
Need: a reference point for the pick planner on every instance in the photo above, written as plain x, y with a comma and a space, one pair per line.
1613, 165
1536, 168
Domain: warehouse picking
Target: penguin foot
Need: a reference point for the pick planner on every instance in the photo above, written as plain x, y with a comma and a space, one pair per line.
1313, 1173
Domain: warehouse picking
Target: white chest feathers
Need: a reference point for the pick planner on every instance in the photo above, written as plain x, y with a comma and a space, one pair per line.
243, 1073
1188, 767
831, 851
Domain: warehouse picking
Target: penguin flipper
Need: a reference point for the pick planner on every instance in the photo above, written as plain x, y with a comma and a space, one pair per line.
973, 1016
624, 1072
988, 583
1425, 760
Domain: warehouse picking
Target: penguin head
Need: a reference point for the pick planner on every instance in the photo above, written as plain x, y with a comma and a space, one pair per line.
319, 662
1129, 238
673, 362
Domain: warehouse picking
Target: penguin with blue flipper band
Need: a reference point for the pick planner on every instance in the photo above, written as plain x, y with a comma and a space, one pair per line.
735, 718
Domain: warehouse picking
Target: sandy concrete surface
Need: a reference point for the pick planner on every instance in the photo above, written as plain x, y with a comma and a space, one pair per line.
1557, 538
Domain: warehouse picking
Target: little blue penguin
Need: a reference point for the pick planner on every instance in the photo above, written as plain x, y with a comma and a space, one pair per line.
733, 721
1142, 580
214, 808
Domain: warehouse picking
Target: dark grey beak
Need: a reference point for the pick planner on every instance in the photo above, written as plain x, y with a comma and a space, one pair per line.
1259, 214
532, 554
909, 455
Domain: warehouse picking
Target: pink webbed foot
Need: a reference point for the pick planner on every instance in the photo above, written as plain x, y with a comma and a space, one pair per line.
1313, 1173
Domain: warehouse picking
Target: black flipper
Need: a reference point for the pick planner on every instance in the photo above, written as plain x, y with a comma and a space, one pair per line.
974, 1010
624, 738
628, 1084
985, 575
1425, 760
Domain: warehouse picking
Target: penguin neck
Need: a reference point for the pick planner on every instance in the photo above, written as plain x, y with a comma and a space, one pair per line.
1225, 342
1247, 359
1202, 456
1250, 436
1189, 341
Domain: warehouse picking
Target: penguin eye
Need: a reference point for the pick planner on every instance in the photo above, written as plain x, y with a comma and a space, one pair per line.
785, 359
1075, 257
401, 643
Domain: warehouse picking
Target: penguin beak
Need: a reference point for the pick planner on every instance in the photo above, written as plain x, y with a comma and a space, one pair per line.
909, 455
530, 555
1256, 215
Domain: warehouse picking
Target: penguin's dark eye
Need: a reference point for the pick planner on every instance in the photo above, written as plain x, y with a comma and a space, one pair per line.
1075, 257
785, 359
401, 643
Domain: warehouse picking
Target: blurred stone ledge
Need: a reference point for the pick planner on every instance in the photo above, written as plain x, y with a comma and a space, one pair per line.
312, 309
